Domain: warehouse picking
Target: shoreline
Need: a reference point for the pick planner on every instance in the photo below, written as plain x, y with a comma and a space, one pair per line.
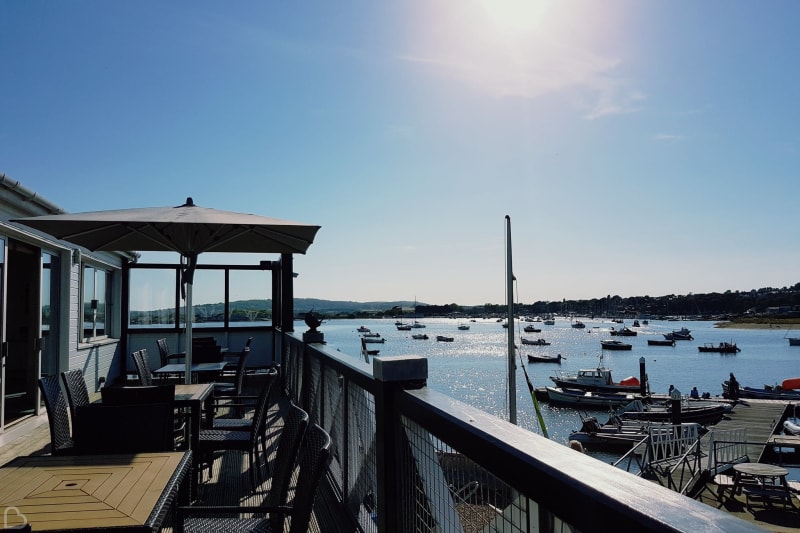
758, 325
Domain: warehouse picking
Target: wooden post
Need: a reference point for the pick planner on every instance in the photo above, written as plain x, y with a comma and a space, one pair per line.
392, 374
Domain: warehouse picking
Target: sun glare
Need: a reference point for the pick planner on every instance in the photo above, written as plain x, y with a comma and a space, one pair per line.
516, 15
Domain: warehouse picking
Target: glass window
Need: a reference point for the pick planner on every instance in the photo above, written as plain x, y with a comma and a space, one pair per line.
96, 299
208, 298
152, 297
249, 295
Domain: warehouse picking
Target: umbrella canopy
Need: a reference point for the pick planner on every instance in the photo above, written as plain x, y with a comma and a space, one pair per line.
186, 229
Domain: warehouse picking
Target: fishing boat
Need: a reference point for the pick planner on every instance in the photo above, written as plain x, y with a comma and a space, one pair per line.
545, 358
596, 379
615, 345
660, 342
583, 398
723, 347
537, 342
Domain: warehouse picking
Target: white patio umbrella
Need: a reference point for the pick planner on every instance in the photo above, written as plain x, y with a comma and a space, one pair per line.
186, 229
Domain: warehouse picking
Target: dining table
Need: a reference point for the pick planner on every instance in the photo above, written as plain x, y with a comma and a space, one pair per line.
70, 493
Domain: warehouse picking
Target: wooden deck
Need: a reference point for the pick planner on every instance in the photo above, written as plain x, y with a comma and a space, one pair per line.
758, 417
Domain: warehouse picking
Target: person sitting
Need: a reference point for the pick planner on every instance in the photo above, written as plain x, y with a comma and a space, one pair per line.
695, 393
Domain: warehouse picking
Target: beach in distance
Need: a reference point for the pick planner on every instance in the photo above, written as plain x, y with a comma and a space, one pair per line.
473, 367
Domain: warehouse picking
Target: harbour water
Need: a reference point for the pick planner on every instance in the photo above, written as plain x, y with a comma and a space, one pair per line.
473, 368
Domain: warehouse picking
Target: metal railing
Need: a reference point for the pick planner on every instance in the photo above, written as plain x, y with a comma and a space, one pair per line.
410, 459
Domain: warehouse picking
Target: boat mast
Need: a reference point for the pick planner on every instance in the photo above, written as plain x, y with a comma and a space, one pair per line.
512, 377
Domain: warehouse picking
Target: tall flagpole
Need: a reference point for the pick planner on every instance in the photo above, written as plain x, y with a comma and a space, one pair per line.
512, 364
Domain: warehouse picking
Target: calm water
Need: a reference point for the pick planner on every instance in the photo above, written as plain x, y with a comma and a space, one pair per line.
473, 368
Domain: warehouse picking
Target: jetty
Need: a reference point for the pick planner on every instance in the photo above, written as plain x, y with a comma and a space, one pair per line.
759, 418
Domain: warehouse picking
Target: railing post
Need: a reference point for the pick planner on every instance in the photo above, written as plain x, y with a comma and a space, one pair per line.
392, 374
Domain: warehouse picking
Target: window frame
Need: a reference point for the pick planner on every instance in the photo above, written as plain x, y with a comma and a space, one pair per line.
107, 303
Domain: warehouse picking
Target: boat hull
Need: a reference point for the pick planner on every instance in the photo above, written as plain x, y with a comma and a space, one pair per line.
576, 398
615, 345
659, 342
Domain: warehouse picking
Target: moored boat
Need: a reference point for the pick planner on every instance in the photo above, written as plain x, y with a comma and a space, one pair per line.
682, 334
545, 358
531, 329
419, 336
363, 329
766, 393
444, 338
378, 340
701, 412
537, 342
578, 325
660, 342
723, 347
615, 345
596, 379
624, 332
582, 398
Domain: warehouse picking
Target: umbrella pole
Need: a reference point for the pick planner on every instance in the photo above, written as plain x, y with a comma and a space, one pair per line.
189, 317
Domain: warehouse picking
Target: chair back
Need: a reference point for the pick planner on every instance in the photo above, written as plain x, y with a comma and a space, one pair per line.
163, 351
241, 368
127, 395
57, 414
314, 459
77, 392
295, 424
129, 428
143, 367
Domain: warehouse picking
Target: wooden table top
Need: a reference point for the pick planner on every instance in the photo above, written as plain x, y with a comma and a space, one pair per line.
194, 391
761, 469
88, 491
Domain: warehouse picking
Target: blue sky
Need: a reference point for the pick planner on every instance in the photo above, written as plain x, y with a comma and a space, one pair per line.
640, 148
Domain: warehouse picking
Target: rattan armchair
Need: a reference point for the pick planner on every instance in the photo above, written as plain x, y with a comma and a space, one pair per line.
313, 462
55, 403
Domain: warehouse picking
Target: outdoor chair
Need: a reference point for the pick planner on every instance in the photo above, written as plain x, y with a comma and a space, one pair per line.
232, 358
224, 389
168, 357
77, 392
244, 404
128, 428
313, 462
241, 439
55, 403
164, 393
142, 363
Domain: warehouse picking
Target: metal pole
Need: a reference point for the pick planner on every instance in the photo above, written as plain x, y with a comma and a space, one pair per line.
512, 363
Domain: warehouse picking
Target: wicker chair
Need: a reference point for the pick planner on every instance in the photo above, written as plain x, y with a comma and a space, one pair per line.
313, 462
164, 393
245, 440
131, 428
77, 393
55, 403
142, 363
